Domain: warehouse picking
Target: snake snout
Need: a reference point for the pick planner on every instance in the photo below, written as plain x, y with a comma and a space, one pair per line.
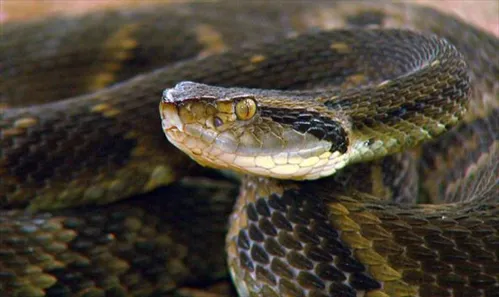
169, 117
181, 92
182, 105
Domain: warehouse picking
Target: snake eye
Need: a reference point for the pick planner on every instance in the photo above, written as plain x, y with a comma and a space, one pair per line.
245, 109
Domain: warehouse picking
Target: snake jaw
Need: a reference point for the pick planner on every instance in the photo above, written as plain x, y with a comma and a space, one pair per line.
205, 123
169, 117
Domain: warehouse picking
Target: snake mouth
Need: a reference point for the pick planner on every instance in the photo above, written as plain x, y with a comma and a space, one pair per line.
170, 120
245, 134
206, 146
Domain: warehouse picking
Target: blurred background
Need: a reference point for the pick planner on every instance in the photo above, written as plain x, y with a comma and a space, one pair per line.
483, 13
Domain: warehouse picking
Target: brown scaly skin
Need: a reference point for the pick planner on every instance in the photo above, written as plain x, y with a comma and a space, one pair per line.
69, 250
328, 239
139, 247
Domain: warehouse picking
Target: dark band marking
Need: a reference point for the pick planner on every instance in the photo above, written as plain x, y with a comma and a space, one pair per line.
308, 122
390, 116
406, 109
325, 262
41, 159
400, 113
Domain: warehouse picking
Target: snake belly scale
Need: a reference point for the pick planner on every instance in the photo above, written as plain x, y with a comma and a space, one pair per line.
370, 151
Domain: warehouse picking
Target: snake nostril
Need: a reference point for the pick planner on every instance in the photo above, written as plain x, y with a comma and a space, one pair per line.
217, 122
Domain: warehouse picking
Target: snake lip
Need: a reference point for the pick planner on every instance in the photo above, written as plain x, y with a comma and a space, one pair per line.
170, 119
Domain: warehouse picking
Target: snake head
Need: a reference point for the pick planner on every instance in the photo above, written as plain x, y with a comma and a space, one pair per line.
248, 131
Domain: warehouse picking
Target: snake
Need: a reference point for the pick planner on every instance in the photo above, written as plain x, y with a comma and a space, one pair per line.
360, 138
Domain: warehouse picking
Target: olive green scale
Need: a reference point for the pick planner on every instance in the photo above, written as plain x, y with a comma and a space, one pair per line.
80, 128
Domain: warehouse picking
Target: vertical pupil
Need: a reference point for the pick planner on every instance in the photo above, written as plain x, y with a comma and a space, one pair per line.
244, 109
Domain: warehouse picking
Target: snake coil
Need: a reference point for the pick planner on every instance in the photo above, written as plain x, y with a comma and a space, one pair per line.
371, 152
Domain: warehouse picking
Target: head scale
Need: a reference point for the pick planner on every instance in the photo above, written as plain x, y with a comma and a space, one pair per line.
250, 131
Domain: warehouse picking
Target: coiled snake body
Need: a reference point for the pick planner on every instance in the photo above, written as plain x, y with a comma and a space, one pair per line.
388, 118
